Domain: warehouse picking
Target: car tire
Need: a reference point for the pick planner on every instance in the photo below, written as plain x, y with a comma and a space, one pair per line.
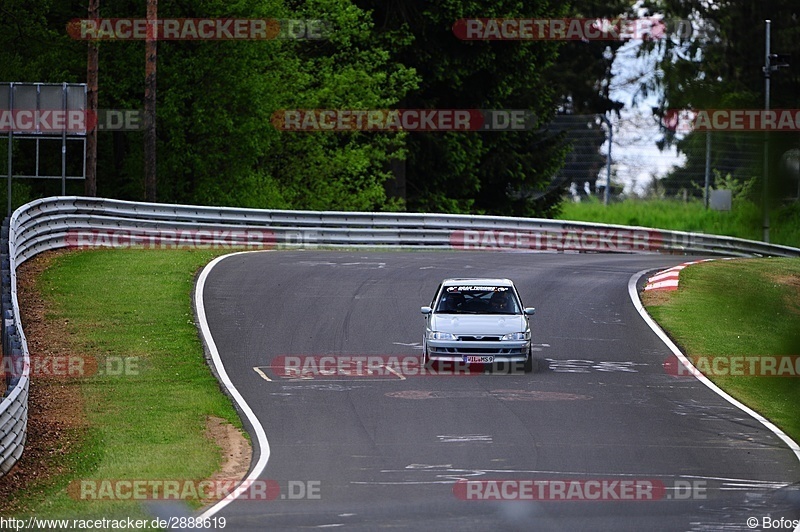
528, 368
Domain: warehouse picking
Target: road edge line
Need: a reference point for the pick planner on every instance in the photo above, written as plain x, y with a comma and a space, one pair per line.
224, 380
637, 304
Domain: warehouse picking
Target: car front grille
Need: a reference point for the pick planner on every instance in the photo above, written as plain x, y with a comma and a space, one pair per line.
478, 350
479, 338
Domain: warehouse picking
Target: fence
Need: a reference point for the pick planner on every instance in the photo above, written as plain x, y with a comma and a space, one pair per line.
648, 159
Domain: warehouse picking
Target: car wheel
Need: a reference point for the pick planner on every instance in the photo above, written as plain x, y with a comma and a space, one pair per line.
529, 363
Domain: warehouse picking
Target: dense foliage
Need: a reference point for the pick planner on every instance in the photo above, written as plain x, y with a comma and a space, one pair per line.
720, 67
216, 144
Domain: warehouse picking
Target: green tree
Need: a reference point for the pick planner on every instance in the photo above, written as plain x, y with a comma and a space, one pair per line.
216, 143
515, 173
719, 66
499, 173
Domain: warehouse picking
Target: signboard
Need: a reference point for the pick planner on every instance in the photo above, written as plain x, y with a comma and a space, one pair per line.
37, 116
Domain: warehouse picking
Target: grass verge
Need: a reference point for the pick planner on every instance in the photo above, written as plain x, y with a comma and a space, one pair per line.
741, 307
145, 408
743, 221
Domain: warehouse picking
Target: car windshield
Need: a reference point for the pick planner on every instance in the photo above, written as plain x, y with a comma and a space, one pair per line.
477, 300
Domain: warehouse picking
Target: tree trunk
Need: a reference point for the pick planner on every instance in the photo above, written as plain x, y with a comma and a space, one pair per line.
92, 69
150, 103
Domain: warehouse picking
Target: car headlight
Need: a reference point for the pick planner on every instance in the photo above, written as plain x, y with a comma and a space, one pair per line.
436, 335
517, 336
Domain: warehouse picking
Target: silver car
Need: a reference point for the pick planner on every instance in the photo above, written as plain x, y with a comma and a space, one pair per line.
477, 321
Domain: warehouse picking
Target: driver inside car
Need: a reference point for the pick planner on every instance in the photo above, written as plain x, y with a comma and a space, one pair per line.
499, 302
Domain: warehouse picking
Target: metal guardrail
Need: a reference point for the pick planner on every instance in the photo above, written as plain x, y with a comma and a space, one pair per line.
83, 223
14, 407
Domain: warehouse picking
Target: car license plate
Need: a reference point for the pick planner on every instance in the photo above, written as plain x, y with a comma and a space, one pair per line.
484, 359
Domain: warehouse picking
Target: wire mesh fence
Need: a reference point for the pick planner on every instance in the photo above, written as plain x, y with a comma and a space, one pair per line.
650, 161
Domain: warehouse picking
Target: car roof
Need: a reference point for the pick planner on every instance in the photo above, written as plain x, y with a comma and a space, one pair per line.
478, 281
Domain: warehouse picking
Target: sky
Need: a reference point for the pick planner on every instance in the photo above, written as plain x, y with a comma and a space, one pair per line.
635, 157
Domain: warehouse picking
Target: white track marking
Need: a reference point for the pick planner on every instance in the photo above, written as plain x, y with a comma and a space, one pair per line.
263, 375
260, 435
464, 438
392, 370
449, 474
637, 303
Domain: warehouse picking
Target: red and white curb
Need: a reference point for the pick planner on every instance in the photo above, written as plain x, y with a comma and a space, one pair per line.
668, 279
637, 303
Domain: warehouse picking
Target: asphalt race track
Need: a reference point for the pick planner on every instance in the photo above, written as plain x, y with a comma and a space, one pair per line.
382, 452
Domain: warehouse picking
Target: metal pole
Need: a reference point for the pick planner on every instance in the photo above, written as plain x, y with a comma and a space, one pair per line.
10, 138
38, 138
765, 191
708, 166
92, 73
64, 143
10, 134
607, 192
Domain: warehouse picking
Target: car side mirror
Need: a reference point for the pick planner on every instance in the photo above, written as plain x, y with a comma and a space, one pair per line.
530, 311
425, 310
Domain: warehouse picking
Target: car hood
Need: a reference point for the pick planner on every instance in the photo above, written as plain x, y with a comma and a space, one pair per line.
478, 323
